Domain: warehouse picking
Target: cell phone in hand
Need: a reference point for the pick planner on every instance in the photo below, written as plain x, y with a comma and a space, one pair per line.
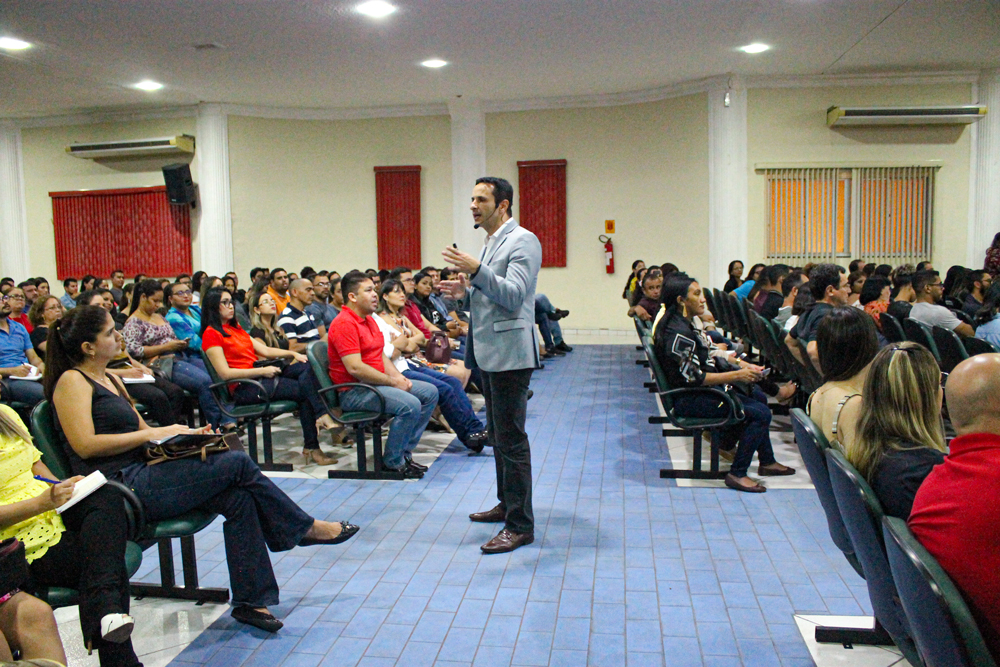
764, 373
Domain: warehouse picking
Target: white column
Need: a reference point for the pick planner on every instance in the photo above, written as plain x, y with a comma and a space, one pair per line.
468, 162
984, 181
727, 179
14, 258
215, 227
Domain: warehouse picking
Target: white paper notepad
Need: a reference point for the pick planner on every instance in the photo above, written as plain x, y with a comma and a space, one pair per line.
84, 488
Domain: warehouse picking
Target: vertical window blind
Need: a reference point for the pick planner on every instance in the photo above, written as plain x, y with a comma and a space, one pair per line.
882, 214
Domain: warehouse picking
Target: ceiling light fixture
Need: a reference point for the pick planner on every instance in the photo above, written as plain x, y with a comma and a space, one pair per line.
377, 9
148, 86
756, 47
12, 44
434, 63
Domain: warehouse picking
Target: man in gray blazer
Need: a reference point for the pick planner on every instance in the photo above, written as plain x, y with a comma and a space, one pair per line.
500, 294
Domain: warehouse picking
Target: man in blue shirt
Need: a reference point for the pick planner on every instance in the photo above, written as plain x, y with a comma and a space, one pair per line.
323, 309
16, 353
72, 287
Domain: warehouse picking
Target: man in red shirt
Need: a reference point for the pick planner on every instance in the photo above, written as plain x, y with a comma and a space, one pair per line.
956, 513
355, 348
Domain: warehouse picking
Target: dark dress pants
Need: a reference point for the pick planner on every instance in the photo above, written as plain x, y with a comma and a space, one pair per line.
90, 557
163, 398
506, 394
296, 383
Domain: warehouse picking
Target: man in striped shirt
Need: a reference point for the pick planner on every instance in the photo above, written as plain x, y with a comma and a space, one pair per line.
299, 326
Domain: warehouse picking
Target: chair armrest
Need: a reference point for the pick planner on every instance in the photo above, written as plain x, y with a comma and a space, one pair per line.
133, 509
325, 390
261, 394
734, 409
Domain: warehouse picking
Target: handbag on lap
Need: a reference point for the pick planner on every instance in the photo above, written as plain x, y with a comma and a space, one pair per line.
438, 350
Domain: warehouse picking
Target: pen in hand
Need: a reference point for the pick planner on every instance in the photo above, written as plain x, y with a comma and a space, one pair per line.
46, 479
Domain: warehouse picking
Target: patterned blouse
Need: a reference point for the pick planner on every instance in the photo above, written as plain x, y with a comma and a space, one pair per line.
140, 333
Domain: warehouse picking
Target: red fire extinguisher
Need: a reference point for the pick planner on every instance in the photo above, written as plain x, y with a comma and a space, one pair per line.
609, 253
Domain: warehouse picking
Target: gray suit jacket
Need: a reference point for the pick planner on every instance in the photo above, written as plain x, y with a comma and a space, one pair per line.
502, 301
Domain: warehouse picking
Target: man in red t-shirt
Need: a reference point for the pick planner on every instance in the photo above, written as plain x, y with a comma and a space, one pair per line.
956, 513
355, 348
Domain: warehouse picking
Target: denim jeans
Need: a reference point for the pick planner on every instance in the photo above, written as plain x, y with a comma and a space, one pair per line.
506, 394
752, 433
412, 410
259, 516
296, 383
26, 391
452, 399
550, 329
191, 375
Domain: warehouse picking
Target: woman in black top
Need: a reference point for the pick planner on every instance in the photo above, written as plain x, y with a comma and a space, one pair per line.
43, 313
100, 430
899, 436
683, 355
735, 272
263, 321
423, 285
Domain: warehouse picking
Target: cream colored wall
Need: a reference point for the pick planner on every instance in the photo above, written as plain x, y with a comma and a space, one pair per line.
48, 168
303, 192
644, 166
788, 125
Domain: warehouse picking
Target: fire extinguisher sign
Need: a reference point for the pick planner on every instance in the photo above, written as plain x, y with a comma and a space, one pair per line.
609, 226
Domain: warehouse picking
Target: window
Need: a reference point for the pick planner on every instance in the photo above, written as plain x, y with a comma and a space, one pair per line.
882, 214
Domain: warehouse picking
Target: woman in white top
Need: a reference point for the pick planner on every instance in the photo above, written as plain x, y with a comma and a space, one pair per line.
846, 341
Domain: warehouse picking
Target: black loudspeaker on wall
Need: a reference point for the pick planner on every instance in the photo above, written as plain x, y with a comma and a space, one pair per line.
180, 187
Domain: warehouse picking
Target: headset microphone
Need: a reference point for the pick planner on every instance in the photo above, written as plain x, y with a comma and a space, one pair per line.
475, 226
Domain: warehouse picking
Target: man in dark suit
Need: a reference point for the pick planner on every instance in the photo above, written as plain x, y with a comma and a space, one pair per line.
500, 293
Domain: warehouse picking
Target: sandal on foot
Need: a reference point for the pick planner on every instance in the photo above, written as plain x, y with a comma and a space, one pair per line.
317, 457
116, 628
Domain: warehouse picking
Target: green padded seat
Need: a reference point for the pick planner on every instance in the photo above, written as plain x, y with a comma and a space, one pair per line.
186, 524
274, 409
57, 596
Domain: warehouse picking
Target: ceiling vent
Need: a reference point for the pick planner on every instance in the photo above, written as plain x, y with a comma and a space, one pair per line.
953, 115
179, 145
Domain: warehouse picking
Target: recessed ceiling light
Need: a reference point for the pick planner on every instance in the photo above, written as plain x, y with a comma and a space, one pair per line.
12, 44
756, 47
375, 8
148, 85
434, 63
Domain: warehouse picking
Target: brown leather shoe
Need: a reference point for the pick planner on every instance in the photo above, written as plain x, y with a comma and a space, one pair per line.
775, 470
507, 541
495, 515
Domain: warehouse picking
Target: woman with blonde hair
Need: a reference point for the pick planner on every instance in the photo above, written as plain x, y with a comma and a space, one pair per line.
899, 438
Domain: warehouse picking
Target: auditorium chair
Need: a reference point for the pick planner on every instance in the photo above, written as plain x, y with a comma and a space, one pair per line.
944, 630
892, 330
183, 527
359, 420
976, 346
264, 411
918, 332
862, 514
950, 347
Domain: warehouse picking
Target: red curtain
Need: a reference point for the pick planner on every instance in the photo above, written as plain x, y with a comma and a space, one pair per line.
542, 206
397, 207
136, 230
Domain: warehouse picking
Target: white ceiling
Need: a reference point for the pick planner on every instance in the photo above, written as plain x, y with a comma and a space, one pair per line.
321, 54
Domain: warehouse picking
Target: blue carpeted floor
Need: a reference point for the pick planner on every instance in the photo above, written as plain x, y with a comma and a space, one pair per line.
626, 568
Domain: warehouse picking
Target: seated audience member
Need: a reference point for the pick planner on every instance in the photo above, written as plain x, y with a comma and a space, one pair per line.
17, 356
184, 317
88, 282
356, 350
207, 283
234, 354
323, 309
231, 282
412, 310
899, 437
401, 346
264, 322
649, 304
874, 297
100, 430
30, 289
902, 296
197, 278
869, 269
299, 326
150, 338
790, 287
278, 288
855, 265
954, 287
883, 270
258, 273
846, 342
5, 284
45, 311
744, 290
684, 357
83, 548
43, 287
547, 318
928, 309
735, 273
987, 322
630, 282
636, 294
163, 399
117, 283
72, 287
804, 301
395, 308
957, 509
770, 297
924, 266
829, 286
18, 310
856, 279
423, 286
977, 284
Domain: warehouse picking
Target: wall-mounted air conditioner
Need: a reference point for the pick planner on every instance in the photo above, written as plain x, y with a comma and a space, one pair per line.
179, 145
953, 115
